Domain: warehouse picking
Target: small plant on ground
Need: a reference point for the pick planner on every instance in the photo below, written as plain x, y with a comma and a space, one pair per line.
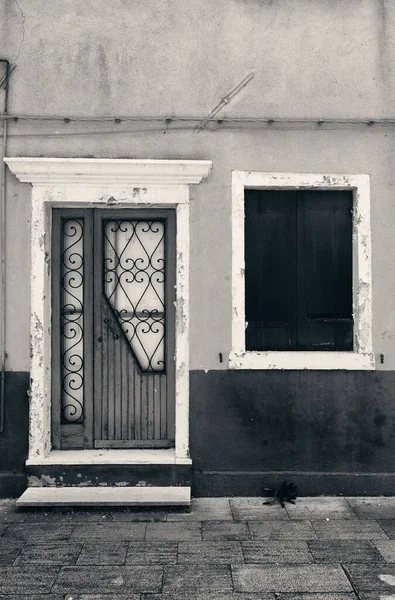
285, 493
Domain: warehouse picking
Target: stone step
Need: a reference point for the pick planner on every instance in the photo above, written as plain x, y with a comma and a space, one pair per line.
106, 496
65, 474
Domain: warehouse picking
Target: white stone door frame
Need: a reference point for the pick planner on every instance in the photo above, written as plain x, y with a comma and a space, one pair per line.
119, 183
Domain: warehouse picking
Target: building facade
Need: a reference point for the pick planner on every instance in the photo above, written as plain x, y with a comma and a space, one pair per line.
197, 246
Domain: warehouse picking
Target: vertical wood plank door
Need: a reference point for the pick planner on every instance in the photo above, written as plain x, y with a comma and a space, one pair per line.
126, 359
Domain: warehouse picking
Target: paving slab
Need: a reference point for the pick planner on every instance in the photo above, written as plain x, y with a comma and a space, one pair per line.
303, 578
256, 509
349, 530
209, 596
90, 516
389, 527
152, 553
372, 577
320, 508
376, 595
110, 553
225, 531
9, 551
204, 509
109, 579
34, 597
60, 553
103, 597
318, 596
9, 513
378, 507
38, 532
276, 552
111, 532
174, 532
39, 515
225, 553
194, 578
386, 548
137, 516
340, 551
282, 530
27, 579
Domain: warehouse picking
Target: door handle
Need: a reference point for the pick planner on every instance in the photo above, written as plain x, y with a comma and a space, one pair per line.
108, 323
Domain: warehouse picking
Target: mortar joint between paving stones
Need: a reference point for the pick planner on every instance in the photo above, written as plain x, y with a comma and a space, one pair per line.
353, 509
308, 542
382, 528
80, 552
231, 577
286, 510
249, 530
55, 580
162, 581
177, 553
350, 581
311, 521
24, 544
231, 509
242, 552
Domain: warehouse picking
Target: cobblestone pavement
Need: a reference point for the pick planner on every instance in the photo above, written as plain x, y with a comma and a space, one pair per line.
223, 549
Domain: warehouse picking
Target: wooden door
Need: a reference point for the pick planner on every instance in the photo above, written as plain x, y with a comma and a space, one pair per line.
113, 329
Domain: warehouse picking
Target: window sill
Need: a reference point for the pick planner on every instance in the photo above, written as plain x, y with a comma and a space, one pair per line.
348, 361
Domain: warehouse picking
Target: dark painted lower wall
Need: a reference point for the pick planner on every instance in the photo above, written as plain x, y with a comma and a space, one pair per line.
14, 439
329, 432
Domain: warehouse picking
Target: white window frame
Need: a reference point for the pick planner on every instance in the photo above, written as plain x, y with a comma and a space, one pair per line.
362, 358
104, 183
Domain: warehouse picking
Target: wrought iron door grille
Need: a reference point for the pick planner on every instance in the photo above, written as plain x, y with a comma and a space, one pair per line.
72, 320
134, 285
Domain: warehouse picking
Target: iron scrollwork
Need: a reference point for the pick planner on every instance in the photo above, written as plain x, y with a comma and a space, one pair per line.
134, 284
72, 320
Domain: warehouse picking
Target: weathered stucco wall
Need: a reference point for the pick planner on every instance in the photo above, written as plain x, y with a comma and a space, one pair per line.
175, 57
165, 58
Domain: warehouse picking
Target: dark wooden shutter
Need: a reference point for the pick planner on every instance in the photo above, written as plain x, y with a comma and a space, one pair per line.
270, 270
324, 242
298, 270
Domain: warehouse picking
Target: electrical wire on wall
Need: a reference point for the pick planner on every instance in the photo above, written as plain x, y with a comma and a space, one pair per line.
48, 125
168, 120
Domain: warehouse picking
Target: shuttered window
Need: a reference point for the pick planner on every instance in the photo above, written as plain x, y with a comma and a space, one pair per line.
298, 270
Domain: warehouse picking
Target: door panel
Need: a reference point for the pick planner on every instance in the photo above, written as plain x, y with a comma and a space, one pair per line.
127, 401
126, 379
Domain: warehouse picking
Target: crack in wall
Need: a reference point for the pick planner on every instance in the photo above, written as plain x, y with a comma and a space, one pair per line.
23, 34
